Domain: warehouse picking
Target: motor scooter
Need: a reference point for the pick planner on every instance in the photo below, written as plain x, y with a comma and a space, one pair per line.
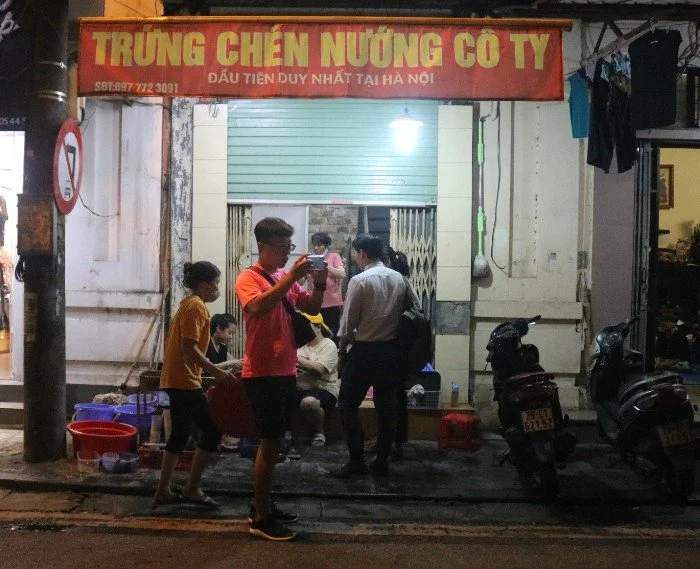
531, 418
647, 417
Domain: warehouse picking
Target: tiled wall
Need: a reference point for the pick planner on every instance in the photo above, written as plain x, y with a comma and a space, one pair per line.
209, 191
454, 232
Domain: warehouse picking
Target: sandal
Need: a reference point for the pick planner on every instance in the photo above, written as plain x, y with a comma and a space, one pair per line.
318, 440
203, 501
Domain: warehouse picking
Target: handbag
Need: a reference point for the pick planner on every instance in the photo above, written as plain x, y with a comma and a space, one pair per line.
301, 327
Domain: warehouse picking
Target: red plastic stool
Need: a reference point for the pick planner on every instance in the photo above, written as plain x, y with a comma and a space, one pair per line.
459, 430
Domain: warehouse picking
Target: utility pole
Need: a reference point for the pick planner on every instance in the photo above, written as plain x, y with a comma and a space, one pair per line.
41, 241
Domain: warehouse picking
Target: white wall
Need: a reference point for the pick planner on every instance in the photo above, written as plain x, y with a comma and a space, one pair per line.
209, 182
112, 252
536, 238
454, 232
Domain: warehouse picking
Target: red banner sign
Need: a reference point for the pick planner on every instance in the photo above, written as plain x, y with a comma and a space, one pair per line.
231, 58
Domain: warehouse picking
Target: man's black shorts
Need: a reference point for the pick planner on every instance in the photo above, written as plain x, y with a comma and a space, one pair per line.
274, 400
327, 400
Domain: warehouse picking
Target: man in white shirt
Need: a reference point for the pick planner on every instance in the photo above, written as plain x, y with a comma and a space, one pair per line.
370, 326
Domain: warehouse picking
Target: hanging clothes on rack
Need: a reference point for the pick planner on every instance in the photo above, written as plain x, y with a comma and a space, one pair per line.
654, 61
579, 104
610, 126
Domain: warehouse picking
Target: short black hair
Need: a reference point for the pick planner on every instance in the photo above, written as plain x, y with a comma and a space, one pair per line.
322, 238
221, 321
199, 272
371, 245
272, 227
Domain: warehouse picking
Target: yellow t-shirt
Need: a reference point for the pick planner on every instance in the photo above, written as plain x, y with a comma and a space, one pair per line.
191, 321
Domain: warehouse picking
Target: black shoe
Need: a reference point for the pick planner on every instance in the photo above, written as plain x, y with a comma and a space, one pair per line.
271, 529
275, 512
350, 470
379, 467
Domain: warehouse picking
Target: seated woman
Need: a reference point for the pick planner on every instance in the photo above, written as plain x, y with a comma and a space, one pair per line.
317, 378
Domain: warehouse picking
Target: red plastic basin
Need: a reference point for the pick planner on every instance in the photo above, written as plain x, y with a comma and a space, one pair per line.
101, 436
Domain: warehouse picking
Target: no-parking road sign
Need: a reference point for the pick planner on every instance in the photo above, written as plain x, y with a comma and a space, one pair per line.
68, 166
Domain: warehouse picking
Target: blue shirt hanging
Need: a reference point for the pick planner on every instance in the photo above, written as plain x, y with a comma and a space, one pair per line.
579, 105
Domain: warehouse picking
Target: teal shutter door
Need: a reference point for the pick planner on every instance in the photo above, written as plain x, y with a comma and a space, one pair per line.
329, 151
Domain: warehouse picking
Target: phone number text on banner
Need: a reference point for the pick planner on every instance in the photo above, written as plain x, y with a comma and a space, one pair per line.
240, 59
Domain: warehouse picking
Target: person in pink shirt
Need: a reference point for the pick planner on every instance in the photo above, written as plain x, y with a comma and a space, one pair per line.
270, 360
333, 298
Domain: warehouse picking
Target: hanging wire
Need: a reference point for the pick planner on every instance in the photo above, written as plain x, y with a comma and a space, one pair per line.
132, 8
94, 212
498, 187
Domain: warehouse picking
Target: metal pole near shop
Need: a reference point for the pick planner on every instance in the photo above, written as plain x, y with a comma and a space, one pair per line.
41, 246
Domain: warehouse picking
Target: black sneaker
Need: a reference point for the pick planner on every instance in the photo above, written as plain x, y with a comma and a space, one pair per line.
275, 512
271, 529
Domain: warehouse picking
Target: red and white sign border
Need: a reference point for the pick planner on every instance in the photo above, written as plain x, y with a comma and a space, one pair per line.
61, 152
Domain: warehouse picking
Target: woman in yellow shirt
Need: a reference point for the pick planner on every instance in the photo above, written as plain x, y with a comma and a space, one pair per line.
181, 379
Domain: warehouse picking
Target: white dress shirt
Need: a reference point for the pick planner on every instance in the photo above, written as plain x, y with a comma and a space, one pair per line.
373, 305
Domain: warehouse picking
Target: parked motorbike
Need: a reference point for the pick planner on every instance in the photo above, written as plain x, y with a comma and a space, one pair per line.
528, 405
647, 417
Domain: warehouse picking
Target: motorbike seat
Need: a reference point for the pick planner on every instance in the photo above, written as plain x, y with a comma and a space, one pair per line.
529, 377
647, 383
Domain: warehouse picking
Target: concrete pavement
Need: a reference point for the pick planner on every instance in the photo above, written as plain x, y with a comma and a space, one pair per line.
592, 476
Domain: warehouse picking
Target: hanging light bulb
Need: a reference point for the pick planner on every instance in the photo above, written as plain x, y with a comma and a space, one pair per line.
405, 128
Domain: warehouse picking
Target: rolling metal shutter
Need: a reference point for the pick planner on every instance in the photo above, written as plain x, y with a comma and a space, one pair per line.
329, 151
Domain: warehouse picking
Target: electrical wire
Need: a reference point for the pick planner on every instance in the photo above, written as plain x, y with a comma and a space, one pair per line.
498, 188
131, 8
94, 212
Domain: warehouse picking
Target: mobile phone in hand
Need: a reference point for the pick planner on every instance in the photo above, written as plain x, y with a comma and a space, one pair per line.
317, 262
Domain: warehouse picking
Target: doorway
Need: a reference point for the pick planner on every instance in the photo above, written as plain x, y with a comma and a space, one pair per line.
666, 289
11, 291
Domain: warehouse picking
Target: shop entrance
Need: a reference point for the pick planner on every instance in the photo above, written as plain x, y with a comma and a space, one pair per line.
11, 160
666, 288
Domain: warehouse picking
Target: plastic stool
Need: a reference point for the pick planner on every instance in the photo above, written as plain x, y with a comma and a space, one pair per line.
459, 430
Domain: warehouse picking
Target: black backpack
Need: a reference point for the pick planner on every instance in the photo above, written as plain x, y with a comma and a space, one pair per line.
415, 335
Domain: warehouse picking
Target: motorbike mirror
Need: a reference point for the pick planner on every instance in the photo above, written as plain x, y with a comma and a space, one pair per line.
629, 323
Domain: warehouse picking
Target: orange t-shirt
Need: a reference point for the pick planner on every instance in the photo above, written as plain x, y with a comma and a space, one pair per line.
191, 321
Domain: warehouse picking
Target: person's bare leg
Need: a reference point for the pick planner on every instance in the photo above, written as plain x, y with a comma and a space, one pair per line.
166, 475
265, 462
313, 412
199, 464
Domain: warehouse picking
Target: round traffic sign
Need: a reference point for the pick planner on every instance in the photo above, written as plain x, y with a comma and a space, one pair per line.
68, 166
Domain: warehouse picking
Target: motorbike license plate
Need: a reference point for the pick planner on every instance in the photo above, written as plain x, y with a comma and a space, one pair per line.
674, 434
537, 419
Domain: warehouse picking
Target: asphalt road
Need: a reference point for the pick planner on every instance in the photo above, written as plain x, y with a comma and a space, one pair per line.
95, 531
541, 548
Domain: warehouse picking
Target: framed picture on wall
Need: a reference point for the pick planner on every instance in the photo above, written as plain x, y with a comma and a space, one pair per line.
665, 186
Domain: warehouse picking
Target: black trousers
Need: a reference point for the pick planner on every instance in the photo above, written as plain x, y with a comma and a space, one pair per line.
189, 407
377, 365
610, 124
401, 411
